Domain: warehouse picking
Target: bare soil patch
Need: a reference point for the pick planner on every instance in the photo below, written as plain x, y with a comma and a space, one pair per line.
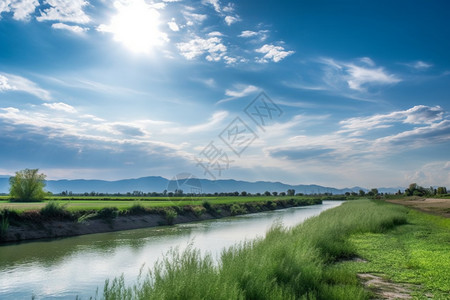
437, 206
384, 289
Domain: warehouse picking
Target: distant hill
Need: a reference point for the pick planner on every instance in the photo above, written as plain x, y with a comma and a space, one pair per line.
159, 184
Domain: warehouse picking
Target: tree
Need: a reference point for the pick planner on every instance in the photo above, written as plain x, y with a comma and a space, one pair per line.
291, 192
362, 193
27, 185
441, 190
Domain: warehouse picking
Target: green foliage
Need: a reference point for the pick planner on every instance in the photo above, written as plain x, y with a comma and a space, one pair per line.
237, 209
416, 190
137, 209
170, 215
108, 213
442, 190
27, 185
54, 209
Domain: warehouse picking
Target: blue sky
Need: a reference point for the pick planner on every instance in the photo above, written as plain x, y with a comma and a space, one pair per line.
337, 93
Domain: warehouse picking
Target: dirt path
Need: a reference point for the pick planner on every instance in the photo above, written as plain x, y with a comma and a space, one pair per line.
437, 206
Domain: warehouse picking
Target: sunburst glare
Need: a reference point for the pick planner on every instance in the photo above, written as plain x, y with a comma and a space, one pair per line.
136, 25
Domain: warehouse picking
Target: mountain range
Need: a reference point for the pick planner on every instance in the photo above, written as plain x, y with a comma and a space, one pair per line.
159, 184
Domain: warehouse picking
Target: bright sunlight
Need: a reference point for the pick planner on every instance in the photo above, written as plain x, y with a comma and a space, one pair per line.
136, 25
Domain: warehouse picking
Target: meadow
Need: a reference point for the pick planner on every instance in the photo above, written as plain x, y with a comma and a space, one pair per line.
315, 260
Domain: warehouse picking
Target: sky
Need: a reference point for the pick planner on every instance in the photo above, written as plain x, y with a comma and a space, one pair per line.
336, 93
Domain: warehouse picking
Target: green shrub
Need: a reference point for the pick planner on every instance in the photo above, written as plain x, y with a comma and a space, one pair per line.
237, 209
170, 215
54, 209
137, 209
198, 210
108, 213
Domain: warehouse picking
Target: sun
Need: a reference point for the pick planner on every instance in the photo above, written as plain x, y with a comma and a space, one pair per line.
136, 25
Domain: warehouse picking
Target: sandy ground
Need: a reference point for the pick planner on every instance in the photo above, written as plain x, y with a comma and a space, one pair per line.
435, 206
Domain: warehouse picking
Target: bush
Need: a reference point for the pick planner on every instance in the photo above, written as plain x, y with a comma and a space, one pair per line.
237, 209
108, 213
137, 209
170, 215
54, 209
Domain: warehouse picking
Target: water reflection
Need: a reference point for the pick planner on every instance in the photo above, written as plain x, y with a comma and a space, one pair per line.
67, 267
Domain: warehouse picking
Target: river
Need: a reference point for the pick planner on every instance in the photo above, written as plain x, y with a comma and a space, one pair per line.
65, 268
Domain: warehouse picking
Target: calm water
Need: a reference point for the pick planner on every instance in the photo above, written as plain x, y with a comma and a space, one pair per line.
62, 269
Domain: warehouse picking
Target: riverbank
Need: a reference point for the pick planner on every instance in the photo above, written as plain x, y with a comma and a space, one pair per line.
55, 221
327, 257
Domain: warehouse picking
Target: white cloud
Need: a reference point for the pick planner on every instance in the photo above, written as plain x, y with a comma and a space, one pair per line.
230, 20
65, 11
215, 33
419, 114
248, 33
436, 173
22, 9
229, 60
419, 65
72, 28
214, 3
261, 34
4, 84
274, 53
368, 61
9, 82
229, 8
241, 90
173, 26
61, 107
358, 75
193, 18
212, 47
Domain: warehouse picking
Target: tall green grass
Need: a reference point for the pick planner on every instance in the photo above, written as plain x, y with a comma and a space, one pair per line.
286, 264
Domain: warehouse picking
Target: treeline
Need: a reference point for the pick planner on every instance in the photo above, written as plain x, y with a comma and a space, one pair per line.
181, 193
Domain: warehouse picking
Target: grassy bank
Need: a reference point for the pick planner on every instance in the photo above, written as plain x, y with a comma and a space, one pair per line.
311, 261
58, 219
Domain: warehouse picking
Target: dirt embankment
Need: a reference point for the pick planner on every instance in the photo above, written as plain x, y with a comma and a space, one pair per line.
436, 206
33, 226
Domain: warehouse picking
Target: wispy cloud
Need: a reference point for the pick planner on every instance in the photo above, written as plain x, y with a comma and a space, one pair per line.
419, 65
274, 53
358, 75
419, 114
238, 91
241, 91
10, 82
61, 107
72, 28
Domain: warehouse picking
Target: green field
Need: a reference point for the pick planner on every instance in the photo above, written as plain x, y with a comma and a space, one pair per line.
314, 260
122, 203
